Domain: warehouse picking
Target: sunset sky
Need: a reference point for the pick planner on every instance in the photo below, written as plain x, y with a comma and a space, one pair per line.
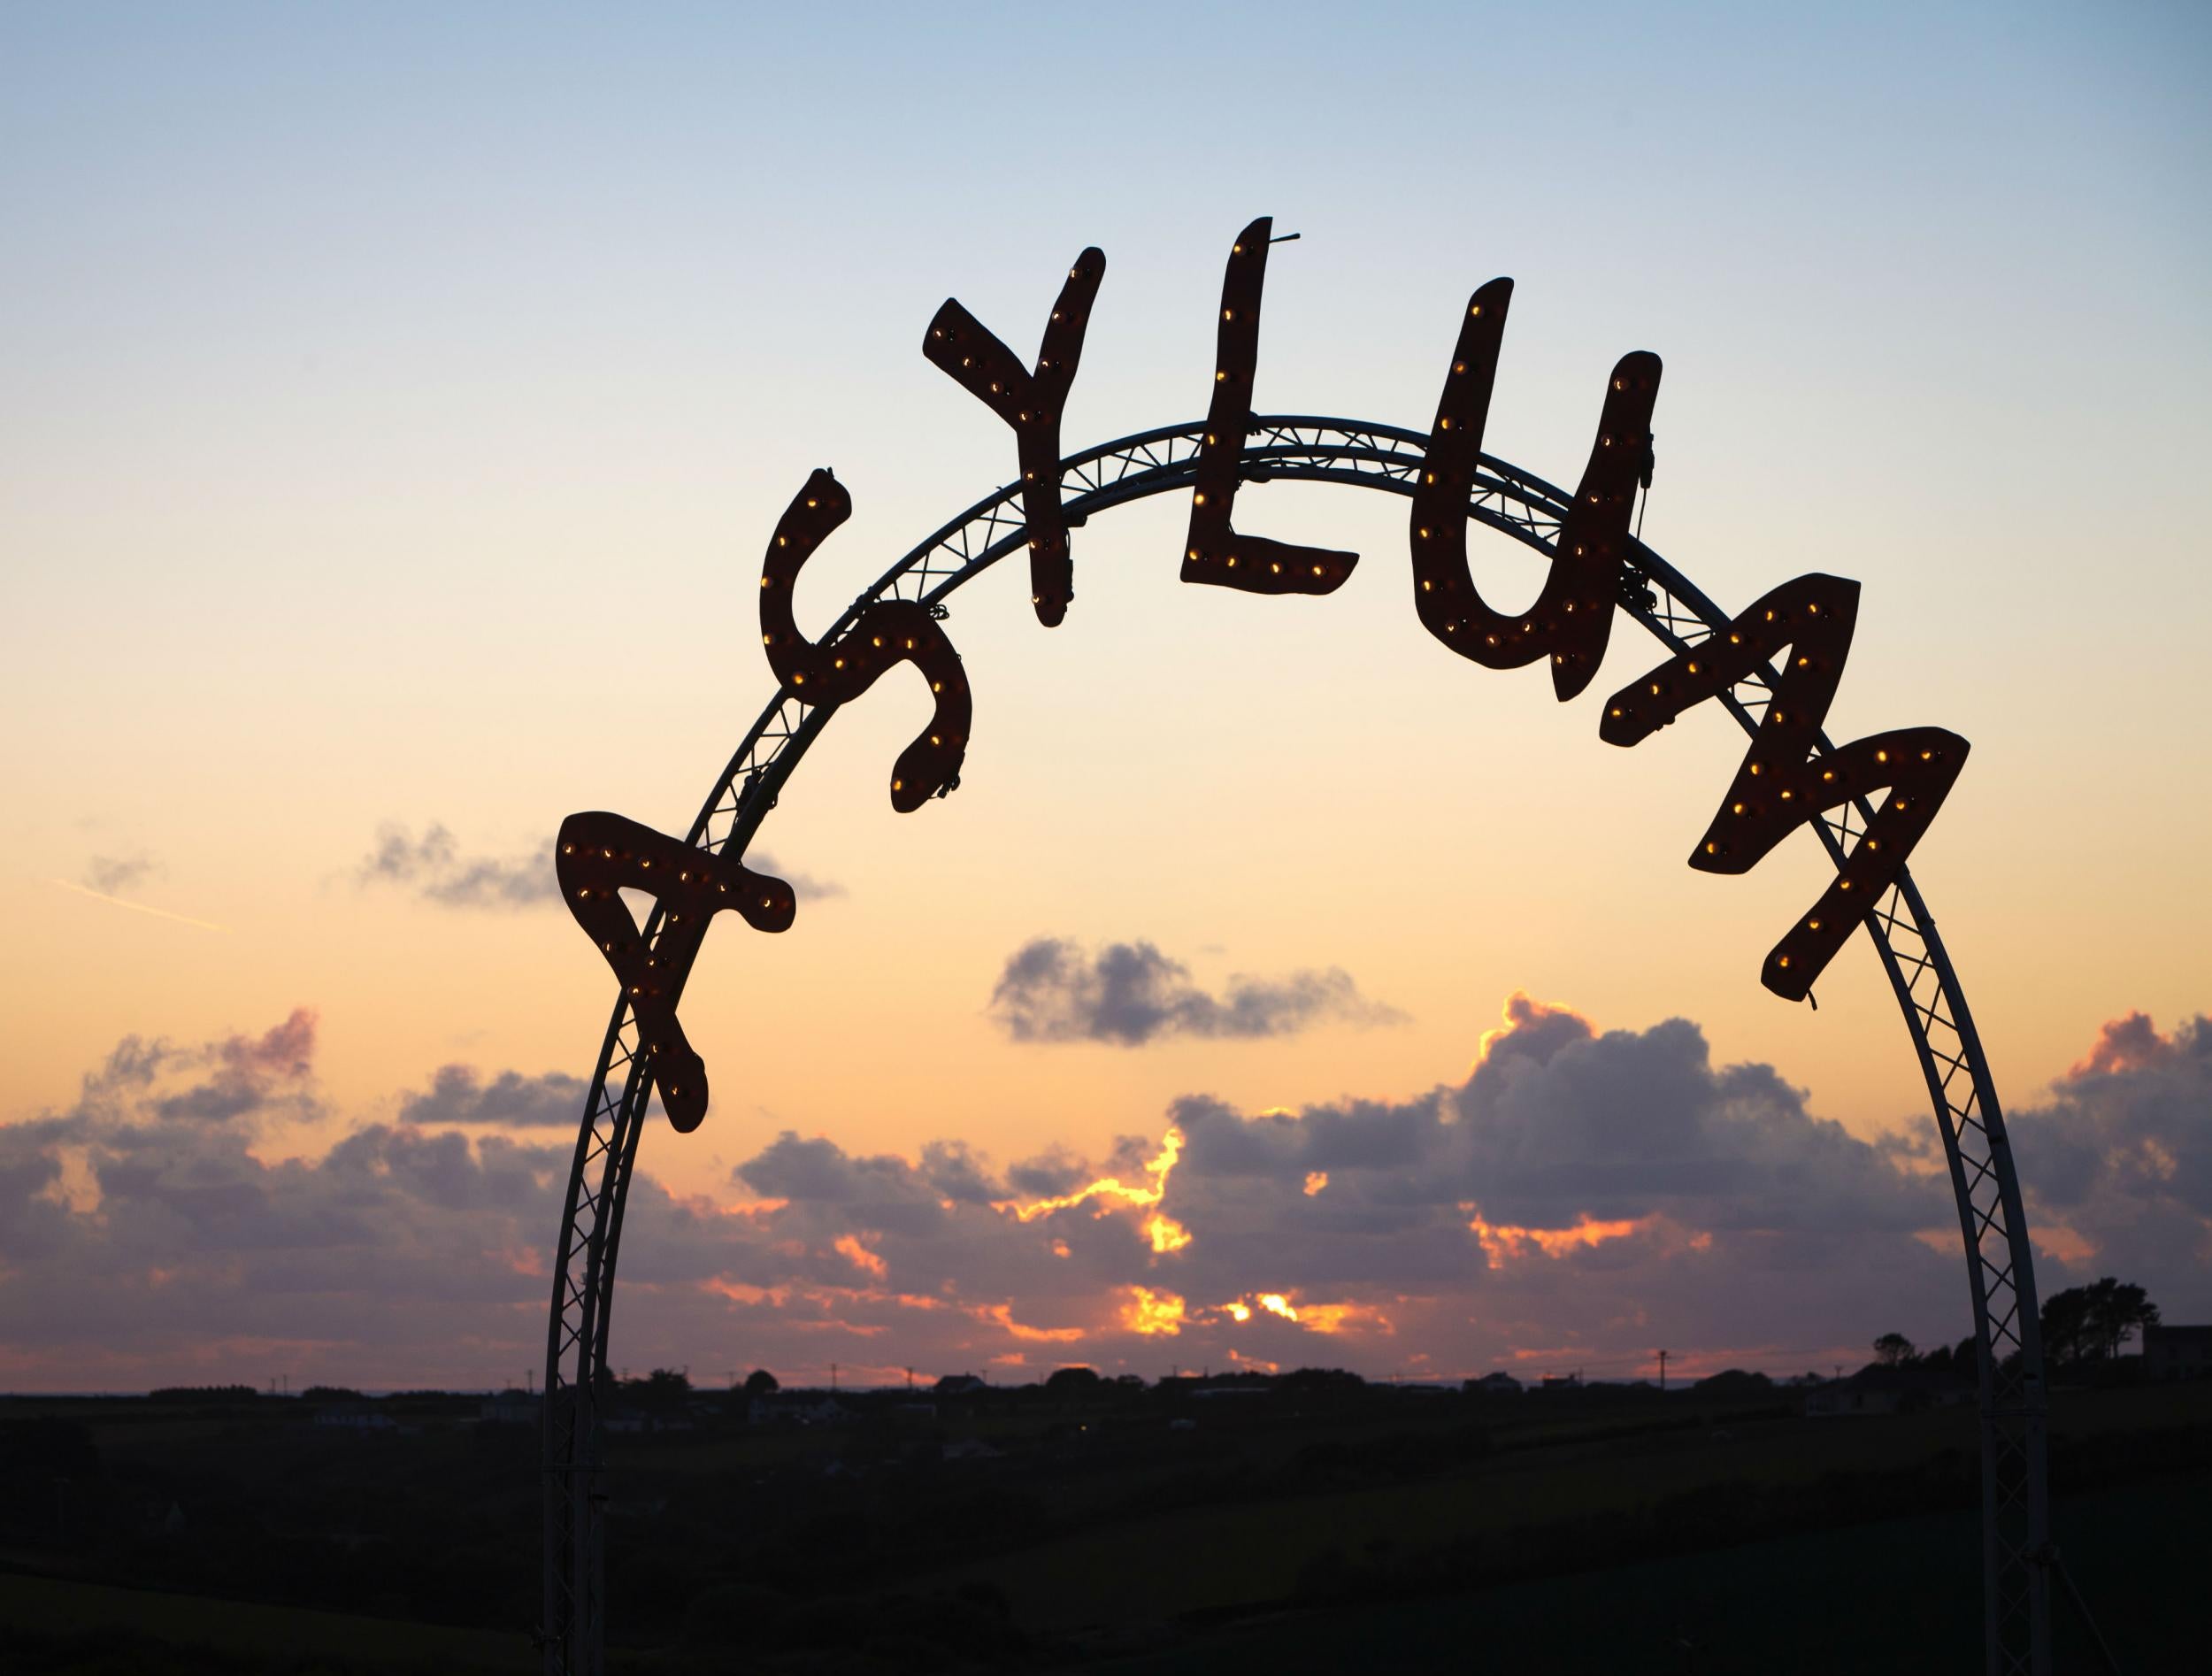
396, 405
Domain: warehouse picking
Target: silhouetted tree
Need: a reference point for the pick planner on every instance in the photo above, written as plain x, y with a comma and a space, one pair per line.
202, 1394
1071, 1382
761, 1382
2091, 1323
1893, 1349
1734, 1382
662, 1385
1322, 1380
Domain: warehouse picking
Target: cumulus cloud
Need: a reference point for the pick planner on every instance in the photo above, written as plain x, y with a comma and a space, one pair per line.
1130, 993
434, 869
459, 1094
2118, 1164
144, 1238
231, 1078
1579, 1196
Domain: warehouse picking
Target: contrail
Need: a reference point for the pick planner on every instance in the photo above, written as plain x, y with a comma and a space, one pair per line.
140, 907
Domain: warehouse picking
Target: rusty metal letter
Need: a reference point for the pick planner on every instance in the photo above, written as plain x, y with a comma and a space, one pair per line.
597, 857
1213, 553
888, 632
1032, 404
1573, 615
1905, 775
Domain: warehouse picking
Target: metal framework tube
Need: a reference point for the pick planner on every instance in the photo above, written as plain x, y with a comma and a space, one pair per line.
2016, 1534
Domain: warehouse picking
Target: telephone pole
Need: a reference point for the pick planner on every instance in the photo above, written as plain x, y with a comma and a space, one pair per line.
1662, 1370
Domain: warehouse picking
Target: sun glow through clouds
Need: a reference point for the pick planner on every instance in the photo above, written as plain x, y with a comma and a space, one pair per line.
1500, 1242
1165, 1233
1306, 1314
1153, 1313
1162, 1232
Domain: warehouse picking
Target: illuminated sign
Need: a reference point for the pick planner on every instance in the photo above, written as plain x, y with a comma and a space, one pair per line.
1786, 778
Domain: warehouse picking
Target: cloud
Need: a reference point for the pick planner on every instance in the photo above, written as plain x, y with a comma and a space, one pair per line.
216, 1082
1579, 1196
1131, 994
434, 869
804, 886
2118, 1164
457, 1094
144, 1239
110, 875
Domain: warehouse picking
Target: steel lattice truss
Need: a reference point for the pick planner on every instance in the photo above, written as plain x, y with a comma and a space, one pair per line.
2016, 1533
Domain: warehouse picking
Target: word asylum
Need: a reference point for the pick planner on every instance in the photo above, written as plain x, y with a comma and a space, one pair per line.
1788, 778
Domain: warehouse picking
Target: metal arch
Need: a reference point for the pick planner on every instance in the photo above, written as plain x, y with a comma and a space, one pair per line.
1999, 1265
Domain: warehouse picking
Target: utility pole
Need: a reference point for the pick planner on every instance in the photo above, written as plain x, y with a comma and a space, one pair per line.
1662, 1370
910, 1381
832, 1379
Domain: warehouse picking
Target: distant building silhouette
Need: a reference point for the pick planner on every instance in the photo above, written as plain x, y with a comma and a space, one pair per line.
1880, 1389
2178, 1352
797, 1408
511, 1407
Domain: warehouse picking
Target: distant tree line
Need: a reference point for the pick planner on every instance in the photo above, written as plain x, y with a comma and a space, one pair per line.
2082, 1326
2091, 1323
202, 1394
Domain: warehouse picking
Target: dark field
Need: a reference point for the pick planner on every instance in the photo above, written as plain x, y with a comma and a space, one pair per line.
1314, 1525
